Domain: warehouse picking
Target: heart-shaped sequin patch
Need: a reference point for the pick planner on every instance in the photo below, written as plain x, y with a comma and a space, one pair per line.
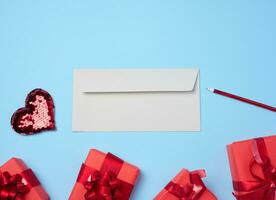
37, 115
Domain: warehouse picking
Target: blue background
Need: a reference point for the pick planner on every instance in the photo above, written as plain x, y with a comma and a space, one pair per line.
232, 42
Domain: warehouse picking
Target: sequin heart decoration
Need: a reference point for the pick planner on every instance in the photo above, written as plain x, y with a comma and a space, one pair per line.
37, 115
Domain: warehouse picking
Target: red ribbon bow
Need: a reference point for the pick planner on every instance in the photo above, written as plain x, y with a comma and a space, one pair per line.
190, 191
101, 186
264, 187
12, 187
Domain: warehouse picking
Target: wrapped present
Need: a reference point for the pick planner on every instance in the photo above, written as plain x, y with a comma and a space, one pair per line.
104, 177
18, 182
252, 164
186, 186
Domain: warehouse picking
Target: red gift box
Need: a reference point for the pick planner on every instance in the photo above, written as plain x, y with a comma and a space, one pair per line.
187, 186
104, 176
252, 164
18, 182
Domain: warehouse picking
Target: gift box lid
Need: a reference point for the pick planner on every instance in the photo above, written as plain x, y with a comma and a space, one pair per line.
17, 166
240, 156
184, 178
100, 162
127, 173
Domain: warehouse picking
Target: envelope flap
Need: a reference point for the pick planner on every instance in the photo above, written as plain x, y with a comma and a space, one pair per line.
135, 80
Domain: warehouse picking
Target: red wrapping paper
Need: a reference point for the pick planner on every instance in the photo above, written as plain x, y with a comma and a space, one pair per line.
183, 179
252, 164
101, 163
17, 166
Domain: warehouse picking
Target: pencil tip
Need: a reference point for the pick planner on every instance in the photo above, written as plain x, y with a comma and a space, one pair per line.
211, 89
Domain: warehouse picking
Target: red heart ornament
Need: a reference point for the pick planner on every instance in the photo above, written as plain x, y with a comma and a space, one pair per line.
37, 115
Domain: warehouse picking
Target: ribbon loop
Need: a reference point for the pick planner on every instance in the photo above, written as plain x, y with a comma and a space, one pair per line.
12, 187
189, 191
102, 186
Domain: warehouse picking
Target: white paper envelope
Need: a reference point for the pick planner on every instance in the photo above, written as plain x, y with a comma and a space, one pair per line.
136, 100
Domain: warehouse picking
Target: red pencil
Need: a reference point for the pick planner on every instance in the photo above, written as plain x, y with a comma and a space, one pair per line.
255, 103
